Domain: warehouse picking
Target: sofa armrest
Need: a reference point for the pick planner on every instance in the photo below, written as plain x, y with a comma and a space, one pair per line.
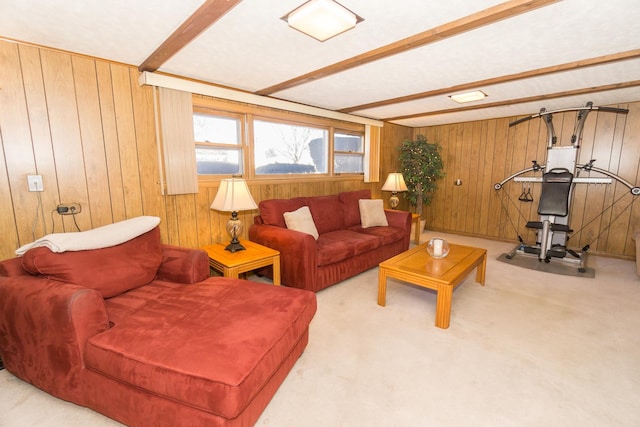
44, 326
298, 253
402, 220
399, 219
183, 265
12, 267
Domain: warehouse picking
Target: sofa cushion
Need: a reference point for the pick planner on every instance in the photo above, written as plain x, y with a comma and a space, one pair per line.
351, 207
272, 210
302, 221
330, 250
372, 213
327, 213
224, 341
387, 234
359, 242
110, 270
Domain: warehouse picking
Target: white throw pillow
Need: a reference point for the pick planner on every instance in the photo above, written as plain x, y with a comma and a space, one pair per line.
372, 213
301, 220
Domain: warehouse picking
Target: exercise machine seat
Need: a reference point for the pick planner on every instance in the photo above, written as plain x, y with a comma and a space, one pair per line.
554, 198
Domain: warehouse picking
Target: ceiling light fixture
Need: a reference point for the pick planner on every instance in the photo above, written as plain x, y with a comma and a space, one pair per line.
476, 95
322, 19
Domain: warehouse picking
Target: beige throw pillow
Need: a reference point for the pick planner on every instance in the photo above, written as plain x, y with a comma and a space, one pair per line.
372, 213
301, 220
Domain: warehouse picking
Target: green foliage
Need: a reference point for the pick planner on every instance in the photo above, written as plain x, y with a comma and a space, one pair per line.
421, 168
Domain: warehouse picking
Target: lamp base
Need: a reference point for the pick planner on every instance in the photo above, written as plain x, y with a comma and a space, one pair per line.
394, 201
234, 246
234, 228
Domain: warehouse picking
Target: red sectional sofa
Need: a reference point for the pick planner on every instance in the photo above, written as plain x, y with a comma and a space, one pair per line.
343, 249
141, 334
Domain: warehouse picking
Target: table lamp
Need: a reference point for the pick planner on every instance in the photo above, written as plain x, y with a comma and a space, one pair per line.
233, 196
394, 183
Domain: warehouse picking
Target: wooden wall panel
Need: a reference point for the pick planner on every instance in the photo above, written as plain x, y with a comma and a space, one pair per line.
623, 225
474, 209
88, 101
62, 108
110, 138
186, 207
485, 182
148, 166
17, 147
127, 142
89, 129
9, 240
39, 131
497, 164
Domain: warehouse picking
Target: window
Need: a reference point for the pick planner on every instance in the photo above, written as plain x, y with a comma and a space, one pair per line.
219, 148
255, 142
284, 148
348, 153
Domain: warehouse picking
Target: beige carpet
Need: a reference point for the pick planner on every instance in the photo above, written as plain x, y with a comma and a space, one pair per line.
528, 349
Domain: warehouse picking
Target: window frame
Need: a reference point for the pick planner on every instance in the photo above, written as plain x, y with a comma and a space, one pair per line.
249, 113
241, 145
269, 119
362, 154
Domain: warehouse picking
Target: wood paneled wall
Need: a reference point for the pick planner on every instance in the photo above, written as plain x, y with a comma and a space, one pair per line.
88, 128
485, 152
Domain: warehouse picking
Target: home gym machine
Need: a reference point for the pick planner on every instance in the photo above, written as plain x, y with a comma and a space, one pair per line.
559, 175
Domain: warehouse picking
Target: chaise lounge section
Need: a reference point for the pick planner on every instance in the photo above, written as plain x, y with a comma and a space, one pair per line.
345, 245
141, 334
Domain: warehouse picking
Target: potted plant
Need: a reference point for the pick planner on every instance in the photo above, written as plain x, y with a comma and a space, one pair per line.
421, 167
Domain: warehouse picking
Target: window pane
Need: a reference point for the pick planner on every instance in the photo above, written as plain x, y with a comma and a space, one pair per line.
218, 129
348, 143
213, 160
348, 163
343, 146
281, 148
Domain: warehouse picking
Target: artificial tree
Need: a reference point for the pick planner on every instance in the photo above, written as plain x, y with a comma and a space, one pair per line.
421, 167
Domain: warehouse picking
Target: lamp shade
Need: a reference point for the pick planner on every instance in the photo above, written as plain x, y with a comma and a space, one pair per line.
233, 195
395, 182
322, 19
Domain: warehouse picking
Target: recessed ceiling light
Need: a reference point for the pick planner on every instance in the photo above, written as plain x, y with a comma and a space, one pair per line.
476, 95
322, 19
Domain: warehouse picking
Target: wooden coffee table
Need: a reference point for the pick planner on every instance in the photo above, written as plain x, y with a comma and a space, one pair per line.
232, 264
416, 266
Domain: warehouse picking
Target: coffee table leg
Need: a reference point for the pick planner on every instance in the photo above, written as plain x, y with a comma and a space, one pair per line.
276, 270
231, 272
481, 270
443, 306
382, 287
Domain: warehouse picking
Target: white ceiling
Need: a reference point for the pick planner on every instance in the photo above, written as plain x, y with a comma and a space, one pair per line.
251, 48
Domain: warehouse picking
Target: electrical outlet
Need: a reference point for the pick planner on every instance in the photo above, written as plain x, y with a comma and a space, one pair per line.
69, 208
35, 182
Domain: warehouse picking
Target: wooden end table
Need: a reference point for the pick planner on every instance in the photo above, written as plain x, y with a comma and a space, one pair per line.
233, 264
443, 275
415, 218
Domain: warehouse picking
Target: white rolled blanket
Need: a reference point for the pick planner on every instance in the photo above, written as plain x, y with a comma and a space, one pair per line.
101, 237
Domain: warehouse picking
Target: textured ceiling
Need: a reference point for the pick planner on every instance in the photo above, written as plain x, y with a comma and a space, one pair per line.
252, 49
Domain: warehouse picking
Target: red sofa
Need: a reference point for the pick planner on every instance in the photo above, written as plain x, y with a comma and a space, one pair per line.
141, 334
343, 249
